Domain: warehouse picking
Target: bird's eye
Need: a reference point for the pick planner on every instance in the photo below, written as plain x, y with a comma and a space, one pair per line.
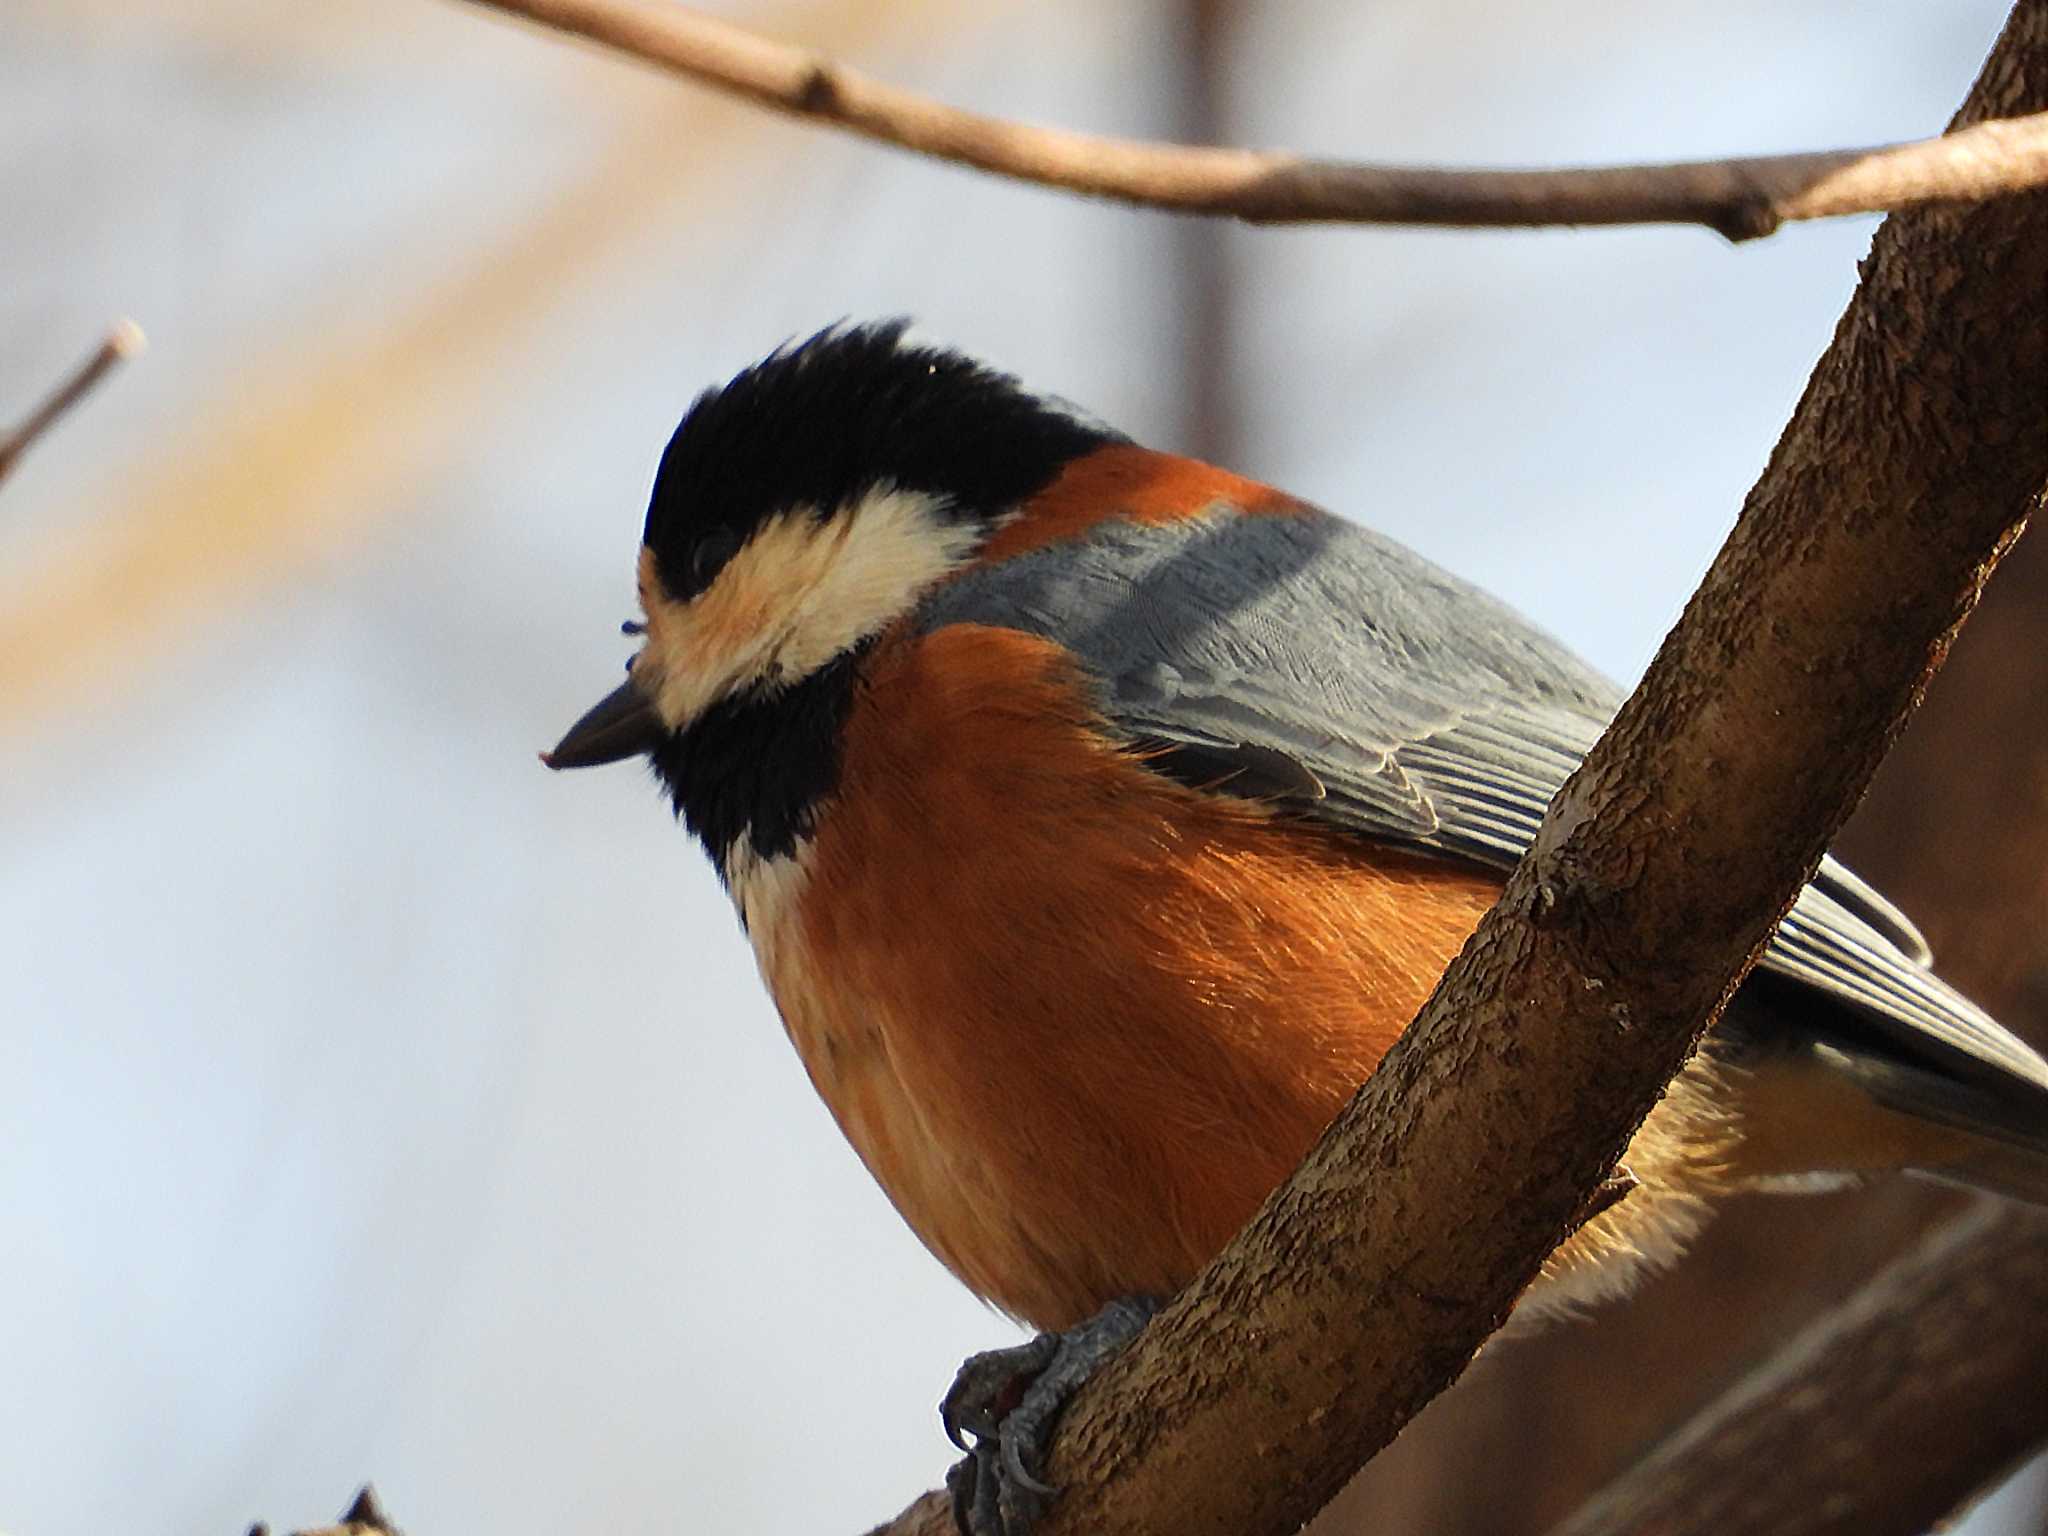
710, 556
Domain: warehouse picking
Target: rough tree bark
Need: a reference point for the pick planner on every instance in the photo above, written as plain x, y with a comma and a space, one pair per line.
1361, 1288
1205, 297
1956, 826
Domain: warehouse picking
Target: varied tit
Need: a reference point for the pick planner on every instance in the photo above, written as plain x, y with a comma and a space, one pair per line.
1099, 818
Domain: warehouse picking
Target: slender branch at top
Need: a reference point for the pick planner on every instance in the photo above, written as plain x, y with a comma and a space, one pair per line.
123, 341
1740, 198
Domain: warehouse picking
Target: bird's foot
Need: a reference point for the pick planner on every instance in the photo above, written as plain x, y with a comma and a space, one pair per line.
1008, 1400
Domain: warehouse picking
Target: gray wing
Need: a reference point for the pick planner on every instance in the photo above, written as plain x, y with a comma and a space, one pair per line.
1443, 719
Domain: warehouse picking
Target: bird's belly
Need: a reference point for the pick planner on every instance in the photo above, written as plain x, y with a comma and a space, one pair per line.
1058, 1136
1079, 1019
1080, 1086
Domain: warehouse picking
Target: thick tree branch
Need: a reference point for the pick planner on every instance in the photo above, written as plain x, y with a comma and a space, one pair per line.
122, 341
1851, 1418
1741, 198
1943, 1355
1362, 1287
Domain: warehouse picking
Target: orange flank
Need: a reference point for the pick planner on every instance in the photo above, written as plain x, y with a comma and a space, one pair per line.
1127, 481
1092, 1016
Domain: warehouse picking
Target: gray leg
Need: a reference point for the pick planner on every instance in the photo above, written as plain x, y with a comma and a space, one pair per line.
1009, 1400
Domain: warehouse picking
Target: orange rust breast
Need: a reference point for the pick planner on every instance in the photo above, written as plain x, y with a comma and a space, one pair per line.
1079, 1019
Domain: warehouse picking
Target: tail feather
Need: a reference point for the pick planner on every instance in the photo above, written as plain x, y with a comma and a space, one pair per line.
2004, 1121
2018, 1173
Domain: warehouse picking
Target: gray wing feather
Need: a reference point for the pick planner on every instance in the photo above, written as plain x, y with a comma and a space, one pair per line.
1440, 717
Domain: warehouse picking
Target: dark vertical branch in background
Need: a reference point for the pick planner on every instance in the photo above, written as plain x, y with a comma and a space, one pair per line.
1201, 254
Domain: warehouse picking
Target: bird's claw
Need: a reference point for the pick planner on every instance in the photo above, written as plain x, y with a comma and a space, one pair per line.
1008, 1401
988, 1386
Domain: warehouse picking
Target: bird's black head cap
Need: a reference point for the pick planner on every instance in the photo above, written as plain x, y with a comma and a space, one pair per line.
821, 423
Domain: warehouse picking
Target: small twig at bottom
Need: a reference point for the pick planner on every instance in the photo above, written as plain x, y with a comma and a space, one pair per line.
365, 1517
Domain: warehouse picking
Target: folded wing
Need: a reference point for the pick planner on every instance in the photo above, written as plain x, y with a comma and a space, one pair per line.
1308, 661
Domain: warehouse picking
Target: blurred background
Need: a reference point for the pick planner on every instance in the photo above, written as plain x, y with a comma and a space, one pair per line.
378, 1105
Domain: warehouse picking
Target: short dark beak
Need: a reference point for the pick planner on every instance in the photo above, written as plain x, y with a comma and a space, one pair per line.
622, 724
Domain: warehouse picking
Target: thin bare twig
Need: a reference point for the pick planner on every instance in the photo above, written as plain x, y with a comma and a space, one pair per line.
124, 340
1740, 198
